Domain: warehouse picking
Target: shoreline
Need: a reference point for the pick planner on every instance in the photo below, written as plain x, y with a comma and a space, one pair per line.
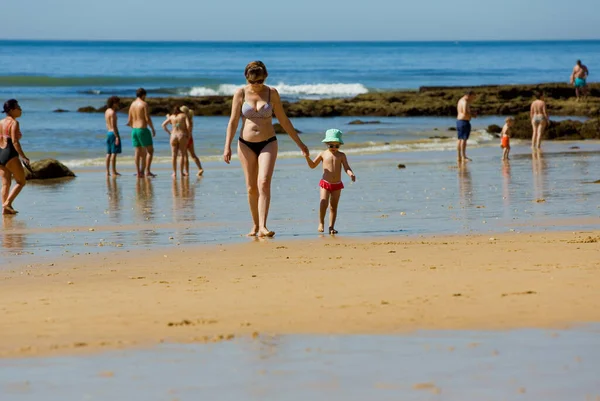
380, 285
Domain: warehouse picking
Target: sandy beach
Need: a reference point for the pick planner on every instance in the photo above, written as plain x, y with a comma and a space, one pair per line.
325, 285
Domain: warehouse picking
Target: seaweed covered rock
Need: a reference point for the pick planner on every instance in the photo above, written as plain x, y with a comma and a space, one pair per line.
361, 122
48, 168
560, 130
494, 129
279, 129
427, 101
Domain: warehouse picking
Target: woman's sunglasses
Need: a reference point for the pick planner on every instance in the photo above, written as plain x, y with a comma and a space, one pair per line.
257, 82
333, 146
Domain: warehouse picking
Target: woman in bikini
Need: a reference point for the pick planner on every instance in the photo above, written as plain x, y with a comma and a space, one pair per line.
256, 103
539, 120
10, 152
180, 137
190, 147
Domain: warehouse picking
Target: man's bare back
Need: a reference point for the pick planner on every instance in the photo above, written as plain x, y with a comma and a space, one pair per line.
580, 71
138, 114
463, 109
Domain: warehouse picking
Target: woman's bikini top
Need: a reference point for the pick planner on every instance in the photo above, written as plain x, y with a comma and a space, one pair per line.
266, 111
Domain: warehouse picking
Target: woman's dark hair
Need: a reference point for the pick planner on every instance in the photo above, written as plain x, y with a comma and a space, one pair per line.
10, 105
176, 110
256, 70
112, 101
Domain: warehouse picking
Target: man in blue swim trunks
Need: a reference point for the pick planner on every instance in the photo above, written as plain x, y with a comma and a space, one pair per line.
139, 121
463, 125
113, 139
578, 79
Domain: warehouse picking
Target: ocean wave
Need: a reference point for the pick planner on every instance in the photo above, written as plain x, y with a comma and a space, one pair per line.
319, 89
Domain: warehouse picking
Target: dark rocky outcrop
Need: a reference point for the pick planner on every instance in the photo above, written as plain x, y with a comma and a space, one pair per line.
427, 101
279, 129
61, 111
494, 129
361, 122
47, 169
561, 130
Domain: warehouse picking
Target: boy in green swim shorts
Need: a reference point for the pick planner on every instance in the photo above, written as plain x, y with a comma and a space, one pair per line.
141, 138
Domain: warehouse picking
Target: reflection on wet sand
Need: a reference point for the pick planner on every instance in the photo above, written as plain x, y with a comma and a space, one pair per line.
184, 194
465, 185
114, 198
506, 185
539, 168
144, 209
13, 233
144, 198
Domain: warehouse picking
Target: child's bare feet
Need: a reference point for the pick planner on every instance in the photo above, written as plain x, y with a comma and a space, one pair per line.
264, 232
184, 174
200, 172
115, 173
149, 174
174, 175
321, 228
332, 230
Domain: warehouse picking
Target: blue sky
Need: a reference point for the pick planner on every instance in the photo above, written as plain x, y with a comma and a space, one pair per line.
300, 19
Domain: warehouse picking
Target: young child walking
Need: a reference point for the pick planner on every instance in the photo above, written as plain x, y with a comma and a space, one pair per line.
505, 138
331, 183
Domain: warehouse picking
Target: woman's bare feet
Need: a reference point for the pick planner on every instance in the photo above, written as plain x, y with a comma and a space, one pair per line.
149, 174
115, 173
321, 228
253, 232
174, 175
7, 209
184, 174
264, 232
332, 231
200, 172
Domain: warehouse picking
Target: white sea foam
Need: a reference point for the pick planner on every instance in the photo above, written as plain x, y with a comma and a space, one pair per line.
478, 139
329, 90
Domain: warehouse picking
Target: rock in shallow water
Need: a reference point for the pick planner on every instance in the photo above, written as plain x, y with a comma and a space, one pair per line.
279, 129
46, 169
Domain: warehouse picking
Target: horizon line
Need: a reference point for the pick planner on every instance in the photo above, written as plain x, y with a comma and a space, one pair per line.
295, 41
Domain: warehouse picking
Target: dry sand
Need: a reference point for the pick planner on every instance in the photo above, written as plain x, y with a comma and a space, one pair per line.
324, 285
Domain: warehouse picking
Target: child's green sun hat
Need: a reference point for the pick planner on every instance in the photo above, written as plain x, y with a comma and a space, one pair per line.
333, 135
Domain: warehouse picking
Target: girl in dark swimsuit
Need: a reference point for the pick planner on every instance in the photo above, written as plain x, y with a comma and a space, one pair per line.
256, 104
10, 151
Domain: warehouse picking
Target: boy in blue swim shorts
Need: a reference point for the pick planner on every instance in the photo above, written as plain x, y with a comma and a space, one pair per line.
113, 139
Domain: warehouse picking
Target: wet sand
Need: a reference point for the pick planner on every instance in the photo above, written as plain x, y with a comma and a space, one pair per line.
526, 365
324, 285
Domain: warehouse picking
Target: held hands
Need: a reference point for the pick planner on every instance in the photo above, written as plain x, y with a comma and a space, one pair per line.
227, 155
25, 160
304, 149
